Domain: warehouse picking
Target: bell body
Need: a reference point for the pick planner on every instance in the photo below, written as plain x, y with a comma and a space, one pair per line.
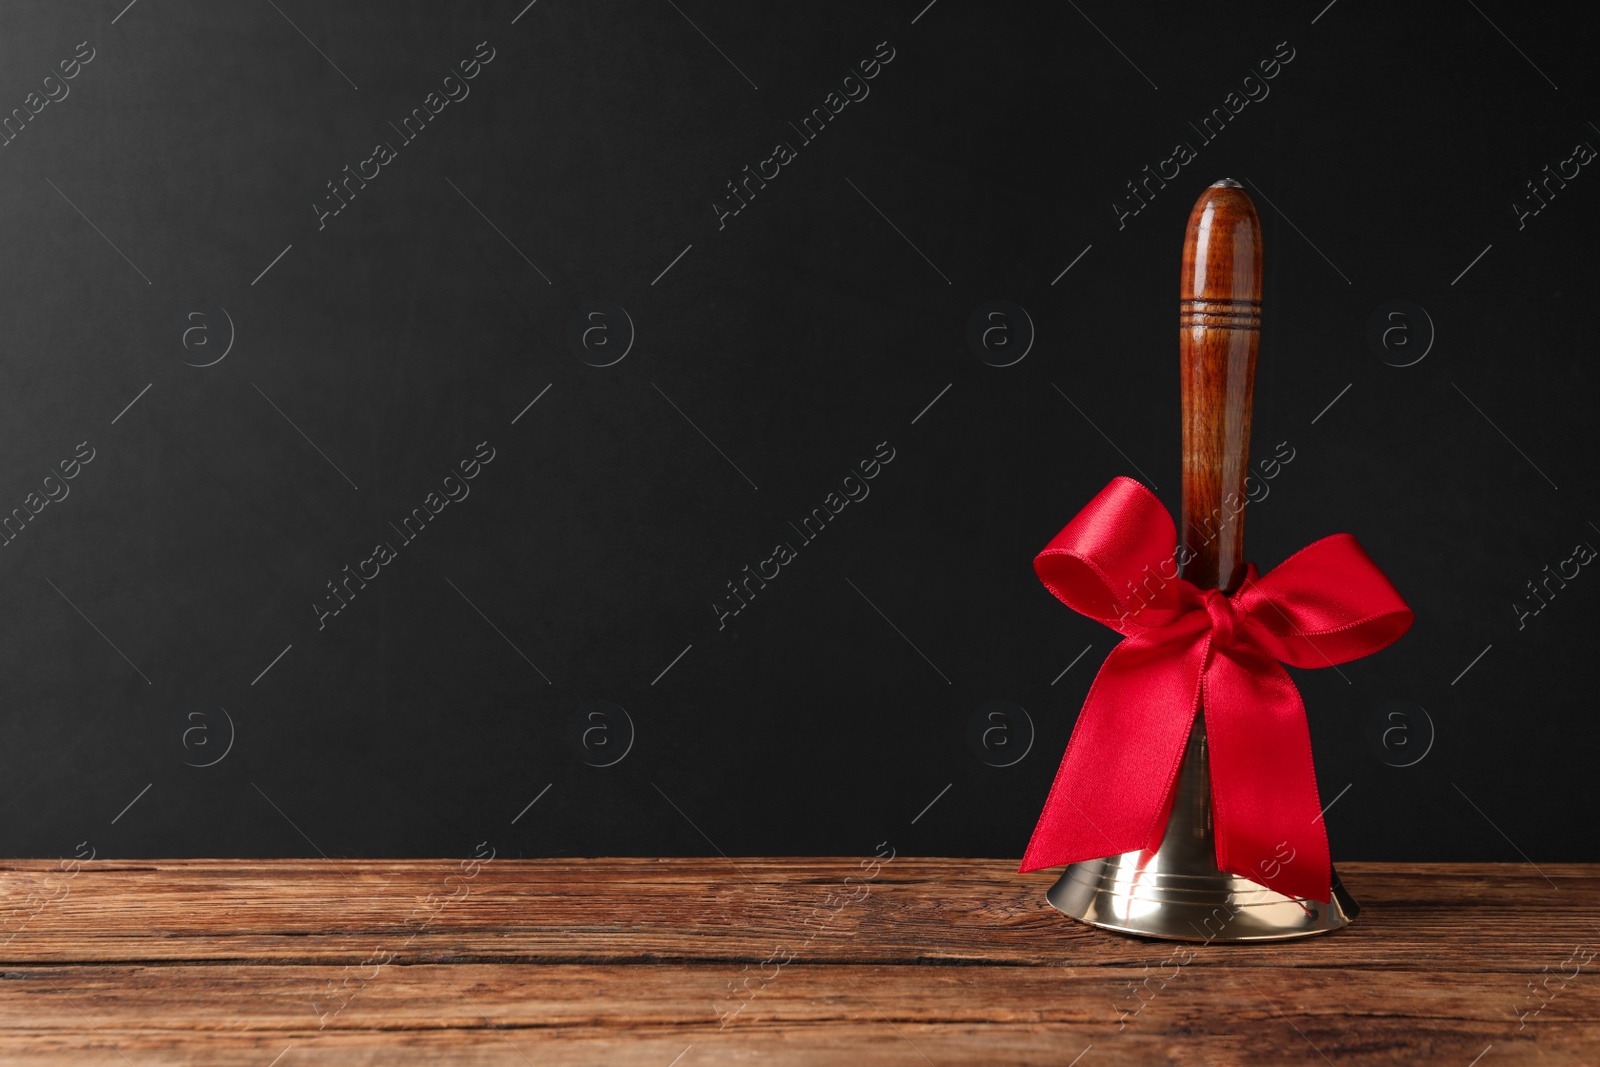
1177, 892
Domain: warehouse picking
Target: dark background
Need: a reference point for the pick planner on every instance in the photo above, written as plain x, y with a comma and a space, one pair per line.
420, 322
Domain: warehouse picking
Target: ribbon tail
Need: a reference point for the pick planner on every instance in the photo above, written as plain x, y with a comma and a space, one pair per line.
1111, 791
1266, 812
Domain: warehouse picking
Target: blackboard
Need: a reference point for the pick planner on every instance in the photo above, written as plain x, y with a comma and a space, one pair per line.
401, 405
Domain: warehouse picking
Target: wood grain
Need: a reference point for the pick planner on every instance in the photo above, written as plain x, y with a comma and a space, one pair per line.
631, 961
1219, 324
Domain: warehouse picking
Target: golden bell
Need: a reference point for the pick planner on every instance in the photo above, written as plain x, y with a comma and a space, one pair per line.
1177, 892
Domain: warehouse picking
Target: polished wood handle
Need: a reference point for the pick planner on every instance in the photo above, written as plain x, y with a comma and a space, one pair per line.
1219, 325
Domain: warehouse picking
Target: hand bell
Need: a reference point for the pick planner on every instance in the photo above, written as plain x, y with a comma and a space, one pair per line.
1176, 890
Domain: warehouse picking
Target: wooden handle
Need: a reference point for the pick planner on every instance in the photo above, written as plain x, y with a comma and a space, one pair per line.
1219, 326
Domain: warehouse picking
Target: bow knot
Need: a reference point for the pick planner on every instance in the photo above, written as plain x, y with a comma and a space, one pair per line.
1220, 608
1183, 650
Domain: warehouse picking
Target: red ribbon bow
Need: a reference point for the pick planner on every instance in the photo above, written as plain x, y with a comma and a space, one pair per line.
1184, 647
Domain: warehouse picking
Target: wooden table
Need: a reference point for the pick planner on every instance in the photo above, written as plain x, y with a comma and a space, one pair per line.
686, 962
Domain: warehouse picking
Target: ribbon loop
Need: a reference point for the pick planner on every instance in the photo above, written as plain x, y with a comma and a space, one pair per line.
1184, 648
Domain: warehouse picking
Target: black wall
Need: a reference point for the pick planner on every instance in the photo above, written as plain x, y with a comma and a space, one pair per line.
160, 642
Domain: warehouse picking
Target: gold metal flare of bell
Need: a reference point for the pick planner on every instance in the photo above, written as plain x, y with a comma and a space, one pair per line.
1177, 892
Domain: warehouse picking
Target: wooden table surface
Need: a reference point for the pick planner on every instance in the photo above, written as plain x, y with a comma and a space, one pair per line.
686, 962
